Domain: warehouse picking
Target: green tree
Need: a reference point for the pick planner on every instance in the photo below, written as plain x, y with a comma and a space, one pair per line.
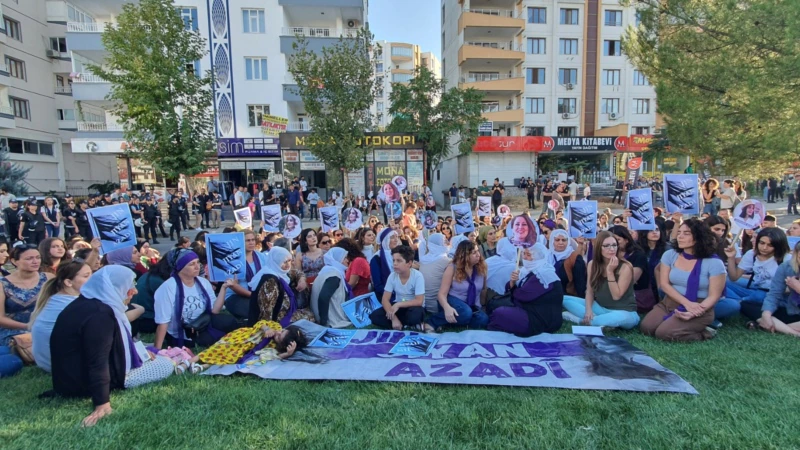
12, 175
337, 87
725, 73
437, 115
163, 105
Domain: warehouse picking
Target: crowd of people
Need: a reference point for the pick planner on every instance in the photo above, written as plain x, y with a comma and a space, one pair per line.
80, 315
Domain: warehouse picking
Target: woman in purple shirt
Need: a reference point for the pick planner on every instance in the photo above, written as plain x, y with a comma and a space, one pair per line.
463, 291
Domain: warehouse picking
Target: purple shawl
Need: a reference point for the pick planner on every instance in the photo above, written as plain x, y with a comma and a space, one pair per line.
178, 315
692, 283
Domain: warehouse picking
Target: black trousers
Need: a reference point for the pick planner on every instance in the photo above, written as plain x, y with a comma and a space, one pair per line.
496, 204
86, 233
792, 204
175, 228
531, 202
752, 311
33, 237
138, 231
407, 316
207, 216
224, 323
68, 233
150, 230
617, 194
771, 195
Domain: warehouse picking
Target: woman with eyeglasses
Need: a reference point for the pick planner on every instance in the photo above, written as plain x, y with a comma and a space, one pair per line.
53, 251
610, 301
237, 297
780, 310
32, 226
693, 280
20, 291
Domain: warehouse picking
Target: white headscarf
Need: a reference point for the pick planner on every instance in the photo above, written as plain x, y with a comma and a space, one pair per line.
272, 266
333, 263
560, 256
454, 244
110, 286
501, 265
387, 250
435, 247
539, 266
371, 194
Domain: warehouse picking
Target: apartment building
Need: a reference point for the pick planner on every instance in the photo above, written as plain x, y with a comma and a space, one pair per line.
249, 44
37, 111
550, 70
397, 64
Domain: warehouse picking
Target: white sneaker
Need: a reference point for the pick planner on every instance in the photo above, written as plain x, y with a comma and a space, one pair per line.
569, 317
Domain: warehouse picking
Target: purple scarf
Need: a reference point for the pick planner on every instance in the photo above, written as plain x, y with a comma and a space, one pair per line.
692, 283
178, 315
287, 319
136, 361
472, 290
249, 274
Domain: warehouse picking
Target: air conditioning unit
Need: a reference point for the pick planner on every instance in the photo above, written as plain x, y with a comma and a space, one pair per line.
613, 116
565, 116
52, 53
570, 86
353, 23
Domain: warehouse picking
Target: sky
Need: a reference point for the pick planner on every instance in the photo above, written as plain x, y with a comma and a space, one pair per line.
412, 21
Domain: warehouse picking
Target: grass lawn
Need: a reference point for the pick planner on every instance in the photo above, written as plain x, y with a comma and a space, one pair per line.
748, 382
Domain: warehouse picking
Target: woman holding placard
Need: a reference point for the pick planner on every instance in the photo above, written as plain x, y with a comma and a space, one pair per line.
610, 301
693, 280
569, 263
237, 298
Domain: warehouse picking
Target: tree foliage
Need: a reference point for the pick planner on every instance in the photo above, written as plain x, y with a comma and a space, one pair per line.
337, 87
164, 107
725, 73
12, 175
425, 107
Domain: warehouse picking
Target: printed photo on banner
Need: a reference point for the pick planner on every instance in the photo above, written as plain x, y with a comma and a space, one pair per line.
462, 218
394, 210
497, 220
640, 204
430, 202
333, 338
484, 207
113, 225
271, 217
522, 231
359, 309
226, 256
290, 226
681, 193
353, 219
429, 220
749, 214
390, 193
244, 217
582, 218
329, 218
503, 211
414, 345
400, 182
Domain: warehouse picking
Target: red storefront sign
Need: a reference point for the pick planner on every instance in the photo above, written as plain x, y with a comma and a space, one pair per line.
640, 142
509, 144
551, 144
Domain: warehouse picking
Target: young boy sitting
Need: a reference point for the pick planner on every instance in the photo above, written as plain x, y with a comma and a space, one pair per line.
408, 288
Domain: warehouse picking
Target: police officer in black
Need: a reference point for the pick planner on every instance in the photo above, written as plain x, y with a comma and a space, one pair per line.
12, 214
83, 221
70, 215
151, 217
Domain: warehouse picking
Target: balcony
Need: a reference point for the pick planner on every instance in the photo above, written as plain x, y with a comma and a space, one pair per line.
7, 119
317, 37
299, 126
492, 54
68, 125
291, 93
512, 115
104, 130
89, 87
63, 90
502, 84
498, 23
323, 3
85, 38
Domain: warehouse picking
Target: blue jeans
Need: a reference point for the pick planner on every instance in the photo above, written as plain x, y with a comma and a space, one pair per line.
603, 317
735, 293
466, 316
52, 230
312, 212
9, 364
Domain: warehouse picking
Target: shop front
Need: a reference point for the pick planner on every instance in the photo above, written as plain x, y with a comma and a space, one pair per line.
250, 161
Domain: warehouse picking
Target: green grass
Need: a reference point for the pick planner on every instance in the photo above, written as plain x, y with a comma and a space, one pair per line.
748, 382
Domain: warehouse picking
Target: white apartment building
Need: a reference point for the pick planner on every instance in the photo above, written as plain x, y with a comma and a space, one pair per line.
397, 64
37, 111
248, 46
548, 68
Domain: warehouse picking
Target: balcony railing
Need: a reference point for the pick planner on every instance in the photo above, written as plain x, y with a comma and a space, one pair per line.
99, 126
88, 27
63, 89
88, 78
299, 126
494, 12
479, 77
6, 109
319, 32
498, 45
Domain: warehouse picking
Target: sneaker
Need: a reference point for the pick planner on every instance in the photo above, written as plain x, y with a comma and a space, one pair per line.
716, 324
569, 317
711, 331
198, 229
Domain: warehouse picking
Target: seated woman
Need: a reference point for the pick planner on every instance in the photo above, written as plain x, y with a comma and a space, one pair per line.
403, 296
146, 287
610, 301
433, 261
92, 348
331, 290
751, 279
381, 265
569, 264
536, 297
237, 300
462, 291
693, 281
358, 274
654, 244
56, 294
780, 311
273, 298
53, 250
308, 262
125, 257
19, 291
184, 312
499, 268
630, 251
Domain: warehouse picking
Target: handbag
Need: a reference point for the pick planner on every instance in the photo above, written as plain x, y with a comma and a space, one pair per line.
22, 346
499, 301
198, 324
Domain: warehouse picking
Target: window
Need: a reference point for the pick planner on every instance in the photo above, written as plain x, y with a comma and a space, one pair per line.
66, 114
609, 105
379, 106
537, 15
189, 16
569, 16
45, 148
567, 76
21, 108
534, 131
537, 46
534, 76
534, 106
16, 68
567, 131
402, 51
76, 15
639, 79
442, 43
641, 106
256, 68
89, 116
567, 46
255, 113
12, 28
612, 48
401, 77
253, 21
20, 146
14, 145
641, 130
613, 18
611, 77
442, 14
567, 105
58, 44
379, 67
490, 106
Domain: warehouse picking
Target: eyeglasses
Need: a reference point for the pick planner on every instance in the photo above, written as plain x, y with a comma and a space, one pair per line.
610, 246
325, 242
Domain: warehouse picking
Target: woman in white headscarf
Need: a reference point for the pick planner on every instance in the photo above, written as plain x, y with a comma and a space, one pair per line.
569, 263
92, 348
330, 290
432, 264
536, 297
272, 296
500, 267
457, 239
